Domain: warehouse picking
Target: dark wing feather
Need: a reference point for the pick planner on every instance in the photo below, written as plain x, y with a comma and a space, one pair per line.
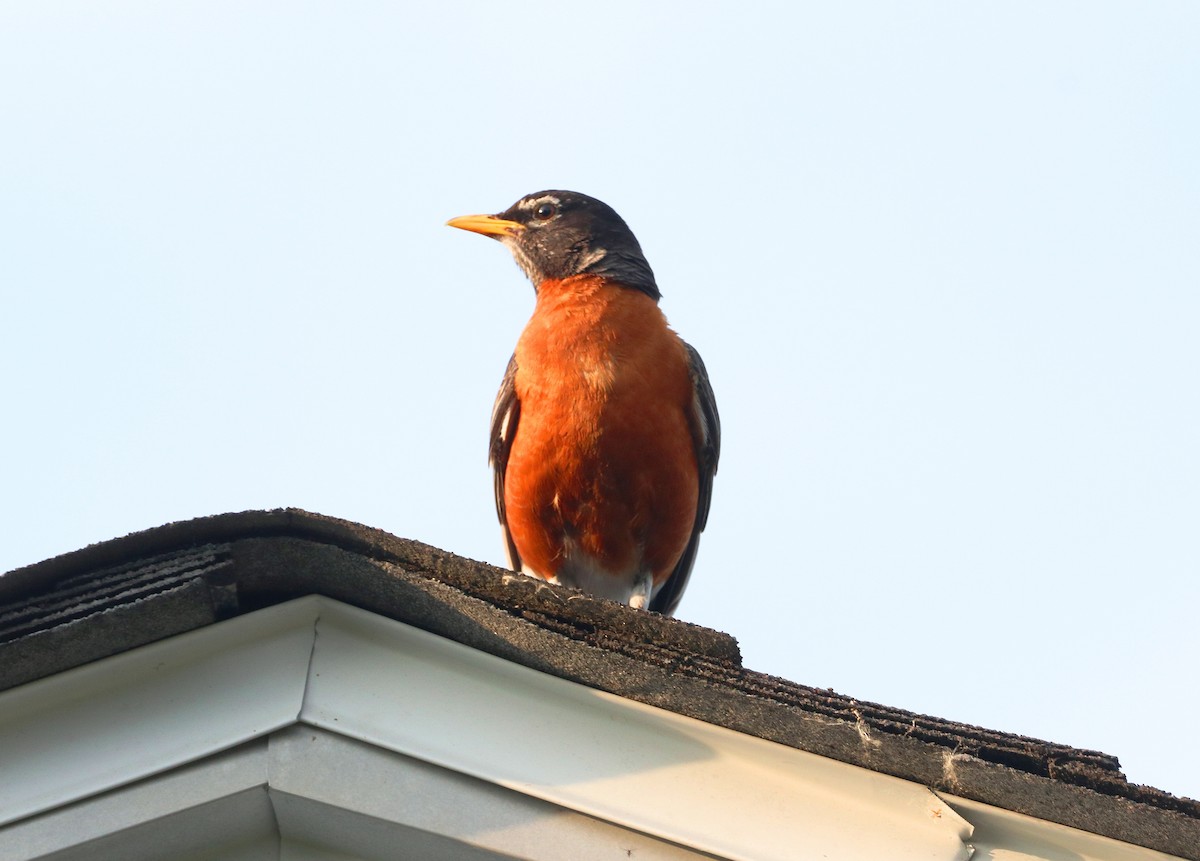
505, 414
706, 435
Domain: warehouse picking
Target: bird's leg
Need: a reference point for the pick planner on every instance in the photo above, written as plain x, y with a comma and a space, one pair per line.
643, 591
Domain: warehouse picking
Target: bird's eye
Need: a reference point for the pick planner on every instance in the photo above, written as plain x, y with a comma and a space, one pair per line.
545, 212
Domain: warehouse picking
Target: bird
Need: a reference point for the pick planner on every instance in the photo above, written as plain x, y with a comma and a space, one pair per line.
605, 434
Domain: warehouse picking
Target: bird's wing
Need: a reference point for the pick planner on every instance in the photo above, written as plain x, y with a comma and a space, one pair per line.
706, 435
505, 414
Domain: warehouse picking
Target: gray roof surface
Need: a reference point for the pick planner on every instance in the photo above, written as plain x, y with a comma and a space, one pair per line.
114, 596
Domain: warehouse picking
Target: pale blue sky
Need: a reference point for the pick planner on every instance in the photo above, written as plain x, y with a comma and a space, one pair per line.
942, 261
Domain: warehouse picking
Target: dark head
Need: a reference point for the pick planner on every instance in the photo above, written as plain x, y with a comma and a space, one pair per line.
557, 234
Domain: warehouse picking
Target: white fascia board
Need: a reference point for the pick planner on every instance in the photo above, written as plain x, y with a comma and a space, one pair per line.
679, 779
1003, 835
151, 709
318, 662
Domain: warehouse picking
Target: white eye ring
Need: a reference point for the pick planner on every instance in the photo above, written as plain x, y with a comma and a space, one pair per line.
545, 211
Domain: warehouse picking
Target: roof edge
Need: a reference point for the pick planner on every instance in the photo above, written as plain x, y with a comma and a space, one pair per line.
475, 578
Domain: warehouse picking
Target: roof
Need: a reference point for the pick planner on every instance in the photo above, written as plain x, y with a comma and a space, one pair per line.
112, 597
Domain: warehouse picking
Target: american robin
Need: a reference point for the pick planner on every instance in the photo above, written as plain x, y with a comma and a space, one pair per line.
605, 433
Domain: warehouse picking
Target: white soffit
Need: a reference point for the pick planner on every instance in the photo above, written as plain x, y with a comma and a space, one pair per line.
317, 662
331, 790
220, 802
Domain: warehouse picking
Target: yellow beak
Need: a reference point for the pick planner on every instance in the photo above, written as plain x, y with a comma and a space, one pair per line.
488, 225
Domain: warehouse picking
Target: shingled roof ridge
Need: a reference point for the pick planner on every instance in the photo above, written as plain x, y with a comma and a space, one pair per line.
181, 535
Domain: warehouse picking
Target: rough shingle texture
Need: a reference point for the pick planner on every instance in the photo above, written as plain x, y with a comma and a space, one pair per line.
111, 597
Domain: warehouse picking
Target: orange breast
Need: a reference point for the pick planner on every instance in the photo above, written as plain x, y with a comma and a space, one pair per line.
603, 460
